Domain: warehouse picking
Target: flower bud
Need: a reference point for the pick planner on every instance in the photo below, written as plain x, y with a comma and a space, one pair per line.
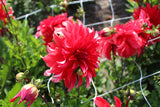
107, 31
29, 92
79, 72
132, 93
64, 3
80, 12
20, 76
156, 32
38, 82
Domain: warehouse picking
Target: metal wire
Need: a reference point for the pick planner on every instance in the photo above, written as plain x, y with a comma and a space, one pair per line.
49, 88
81, 3
95, 92
140, 81
52, 6
110, 2
93, 24
101, 95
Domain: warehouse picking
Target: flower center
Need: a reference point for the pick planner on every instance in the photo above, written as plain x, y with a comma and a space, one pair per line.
81, 55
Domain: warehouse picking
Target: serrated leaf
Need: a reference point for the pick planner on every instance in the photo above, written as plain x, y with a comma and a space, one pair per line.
3, 75
129, 10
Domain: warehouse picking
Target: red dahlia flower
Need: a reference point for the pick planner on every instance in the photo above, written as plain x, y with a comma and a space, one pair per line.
47, 27
106, 42
148, 12
100, 102
29, 92
125, 39
3, 2
128, 43
151, 15
3, 15
72, 55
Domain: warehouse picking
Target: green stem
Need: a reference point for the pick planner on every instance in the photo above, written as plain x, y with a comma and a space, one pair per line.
122, 70
114, 64
44, 100
65, 90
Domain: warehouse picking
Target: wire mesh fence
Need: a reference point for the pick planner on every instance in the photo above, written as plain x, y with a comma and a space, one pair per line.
111, 21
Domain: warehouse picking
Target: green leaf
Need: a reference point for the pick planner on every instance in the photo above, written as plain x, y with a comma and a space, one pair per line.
3, 76
37, 103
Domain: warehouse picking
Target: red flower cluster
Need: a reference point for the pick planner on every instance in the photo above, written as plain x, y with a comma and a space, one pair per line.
29, 92
4, 14
72, 48
47, 27
148, 13
128, 39
73, 54
100, 102
123, 39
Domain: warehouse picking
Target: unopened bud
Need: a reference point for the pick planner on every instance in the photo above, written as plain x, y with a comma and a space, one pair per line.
79, 72
38, 82
132, 93
29, 92
105, 32
156, 32
20, 76
113, 105
64, 3
80, 12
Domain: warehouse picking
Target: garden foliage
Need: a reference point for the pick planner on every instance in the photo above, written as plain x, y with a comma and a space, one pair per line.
76, 58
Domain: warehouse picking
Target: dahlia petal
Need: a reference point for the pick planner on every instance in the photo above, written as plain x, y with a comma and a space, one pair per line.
56, 80
47, 59
13, 99
20, 101
66, 82
58, 75
117, 101
139, 52
65, 52
47, 73
74, 65
30, 102
79, 81
58, 40
61, 62
38, 34
72, 81
106, 51
100, 102
72, 58
88, 79
24, 93
51, 47
84, 66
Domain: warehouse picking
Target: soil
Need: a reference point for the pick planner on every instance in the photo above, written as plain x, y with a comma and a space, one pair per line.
95, 11
99, 10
